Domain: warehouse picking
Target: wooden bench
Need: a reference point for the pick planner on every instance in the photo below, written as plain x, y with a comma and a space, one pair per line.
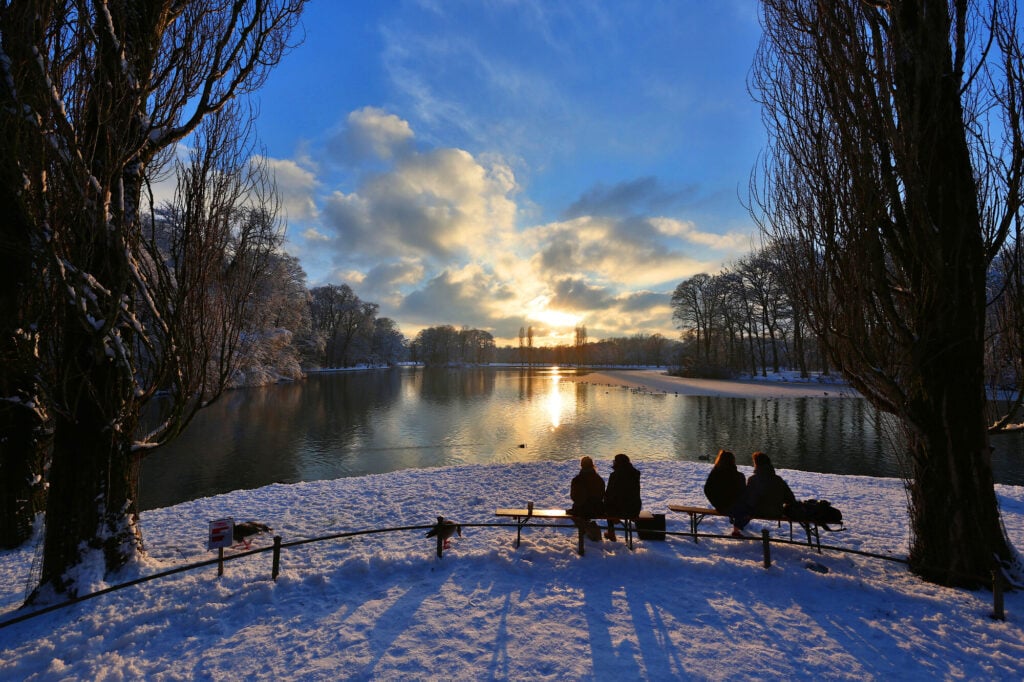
526, 515
698, 514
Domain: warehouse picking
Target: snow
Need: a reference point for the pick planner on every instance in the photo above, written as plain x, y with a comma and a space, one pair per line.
775, 385
384, 606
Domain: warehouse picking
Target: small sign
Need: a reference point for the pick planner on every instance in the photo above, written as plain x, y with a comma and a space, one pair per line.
221, 533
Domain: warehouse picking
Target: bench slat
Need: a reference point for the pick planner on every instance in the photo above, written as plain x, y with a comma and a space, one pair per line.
524, 516
708, 511
545, 513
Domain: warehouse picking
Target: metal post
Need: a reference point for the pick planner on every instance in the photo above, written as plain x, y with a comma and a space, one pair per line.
440, 540
276, 568
997, 594
220, 561
767, 548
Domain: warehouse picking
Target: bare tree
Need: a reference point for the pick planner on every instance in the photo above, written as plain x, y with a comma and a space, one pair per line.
892, 177
96, 95
580, 345
699, 305
1004, 343
206, 256
762, 285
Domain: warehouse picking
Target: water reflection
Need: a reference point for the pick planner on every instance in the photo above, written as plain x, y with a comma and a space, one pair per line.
357, 423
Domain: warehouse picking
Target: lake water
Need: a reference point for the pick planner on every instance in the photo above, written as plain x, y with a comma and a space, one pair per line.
357, 423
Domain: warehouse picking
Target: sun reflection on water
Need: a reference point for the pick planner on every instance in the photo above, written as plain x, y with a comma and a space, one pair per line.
554, 400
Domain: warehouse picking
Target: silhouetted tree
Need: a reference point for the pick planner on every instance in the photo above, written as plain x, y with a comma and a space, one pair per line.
93, 98
893, 177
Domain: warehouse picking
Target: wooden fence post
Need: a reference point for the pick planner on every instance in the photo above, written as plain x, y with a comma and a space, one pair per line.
767, 548
276, 567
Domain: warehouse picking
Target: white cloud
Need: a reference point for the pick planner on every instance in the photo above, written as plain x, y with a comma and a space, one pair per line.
296, 186
732, 242
313, 235
441, 205
371, 133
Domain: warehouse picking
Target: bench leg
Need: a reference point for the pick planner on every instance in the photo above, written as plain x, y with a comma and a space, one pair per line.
520, 522
581, 531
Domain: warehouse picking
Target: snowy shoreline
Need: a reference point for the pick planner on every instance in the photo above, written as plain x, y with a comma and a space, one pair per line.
383, 606
786, 385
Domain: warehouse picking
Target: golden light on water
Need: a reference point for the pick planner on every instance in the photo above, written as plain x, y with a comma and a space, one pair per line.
554, 401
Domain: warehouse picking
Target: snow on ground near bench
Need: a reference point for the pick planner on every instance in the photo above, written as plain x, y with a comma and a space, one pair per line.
384, 607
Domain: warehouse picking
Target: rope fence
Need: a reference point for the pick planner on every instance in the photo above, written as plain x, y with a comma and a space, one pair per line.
999, 583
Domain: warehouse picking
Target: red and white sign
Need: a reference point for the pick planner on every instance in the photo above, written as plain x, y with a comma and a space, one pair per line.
221, 533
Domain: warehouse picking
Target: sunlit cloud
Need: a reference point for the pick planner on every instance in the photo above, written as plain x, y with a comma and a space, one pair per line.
436, 236
733, 243
630, 252
296, 186
314, 235
436, 205
371, 133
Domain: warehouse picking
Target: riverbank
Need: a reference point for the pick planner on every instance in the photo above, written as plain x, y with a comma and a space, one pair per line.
383, 606
786, 385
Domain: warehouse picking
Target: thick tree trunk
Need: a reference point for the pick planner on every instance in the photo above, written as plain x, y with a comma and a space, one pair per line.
956, 527
92, 506
957, 534
92, 510
22, 473
23, 441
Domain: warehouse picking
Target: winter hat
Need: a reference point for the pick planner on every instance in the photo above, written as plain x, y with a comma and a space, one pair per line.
621, 460
586, 462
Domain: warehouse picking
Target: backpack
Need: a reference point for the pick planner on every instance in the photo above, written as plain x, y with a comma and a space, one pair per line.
820, 512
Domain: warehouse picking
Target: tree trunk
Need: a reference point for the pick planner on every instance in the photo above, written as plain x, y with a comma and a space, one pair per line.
93, 505
22, 473
954, 513
23, 440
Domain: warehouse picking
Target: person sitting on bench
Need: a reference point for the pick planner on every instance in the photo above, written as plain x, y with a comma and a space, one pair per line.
725, 483
587, 493
622, 498
764, 496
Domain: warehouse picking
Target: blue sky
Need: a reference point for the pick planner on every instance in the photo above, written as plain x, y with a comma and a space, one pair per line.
508, 163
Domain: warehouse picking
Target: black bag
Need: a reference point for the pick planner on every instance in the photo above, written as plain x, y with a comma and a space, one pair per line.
651, 528
825, 515
796, 511
820, 512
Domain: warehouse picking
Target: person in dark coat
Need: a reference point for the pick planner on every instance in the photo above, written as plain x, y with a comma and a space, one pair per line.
622, 498
725, 483
587, 491
764, 496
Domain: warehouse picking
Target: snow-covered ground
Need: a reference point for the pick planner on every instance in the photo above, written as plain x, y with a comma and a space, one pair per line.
383, 606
